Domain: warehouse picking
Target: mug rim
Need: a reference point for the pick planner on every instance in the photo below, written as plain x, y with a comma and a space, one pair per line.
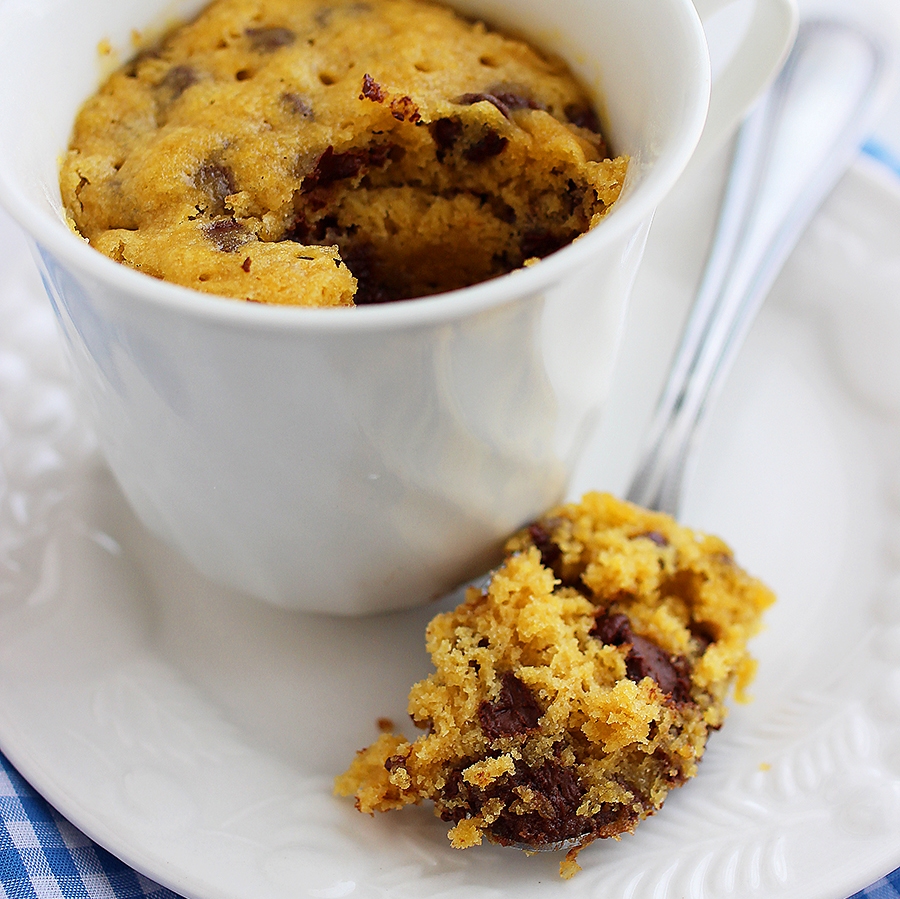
50, 232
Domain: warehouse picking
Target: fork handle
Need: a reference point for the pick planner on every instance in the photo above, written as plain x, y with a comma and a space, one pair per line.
789, 154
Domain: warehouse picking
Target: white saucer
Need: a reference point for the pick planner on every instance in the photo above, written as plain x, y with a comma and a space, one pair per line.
195, 733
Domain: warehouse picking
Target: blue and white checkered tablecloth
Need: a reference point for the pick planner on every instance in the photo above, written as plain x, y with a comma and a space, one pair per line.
42, 855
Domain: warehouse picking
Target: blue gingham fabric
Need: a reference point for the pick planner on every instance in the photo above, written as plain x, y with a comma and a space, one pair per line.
886, 888
42, 856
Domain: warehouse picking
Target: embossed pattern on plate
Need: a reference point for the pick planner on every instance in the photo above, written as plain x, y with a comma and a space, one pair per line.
195, 733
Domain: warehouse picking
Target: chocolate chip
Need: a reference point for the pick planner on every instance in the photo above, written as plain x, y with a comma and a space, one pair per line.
177, 80
514, 711
543, 540
470, 99
558, 792
297, 105
245, 265
551, 557
515, 100
372, 90
492, 144
556, 795
227, 234
612, 630
505, 101
671, 768
645, 658
270, 38
583, 115
331, 166
542, 243
445, 133
217, 181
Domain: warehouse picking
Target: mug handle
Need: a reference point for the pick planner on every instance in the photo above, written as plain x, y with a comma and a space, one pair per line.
752, 67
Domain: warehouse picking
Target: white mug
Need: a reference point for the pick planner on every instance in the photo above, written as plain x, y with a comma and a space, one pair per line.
357, 460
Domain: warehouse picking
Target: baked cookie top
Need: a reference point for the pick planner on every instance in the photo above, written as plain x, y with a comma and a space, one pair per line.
338, 152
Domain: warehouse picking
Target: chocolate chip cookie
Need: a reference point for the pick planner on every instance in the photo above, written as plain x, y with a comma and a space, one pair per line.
332, 152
